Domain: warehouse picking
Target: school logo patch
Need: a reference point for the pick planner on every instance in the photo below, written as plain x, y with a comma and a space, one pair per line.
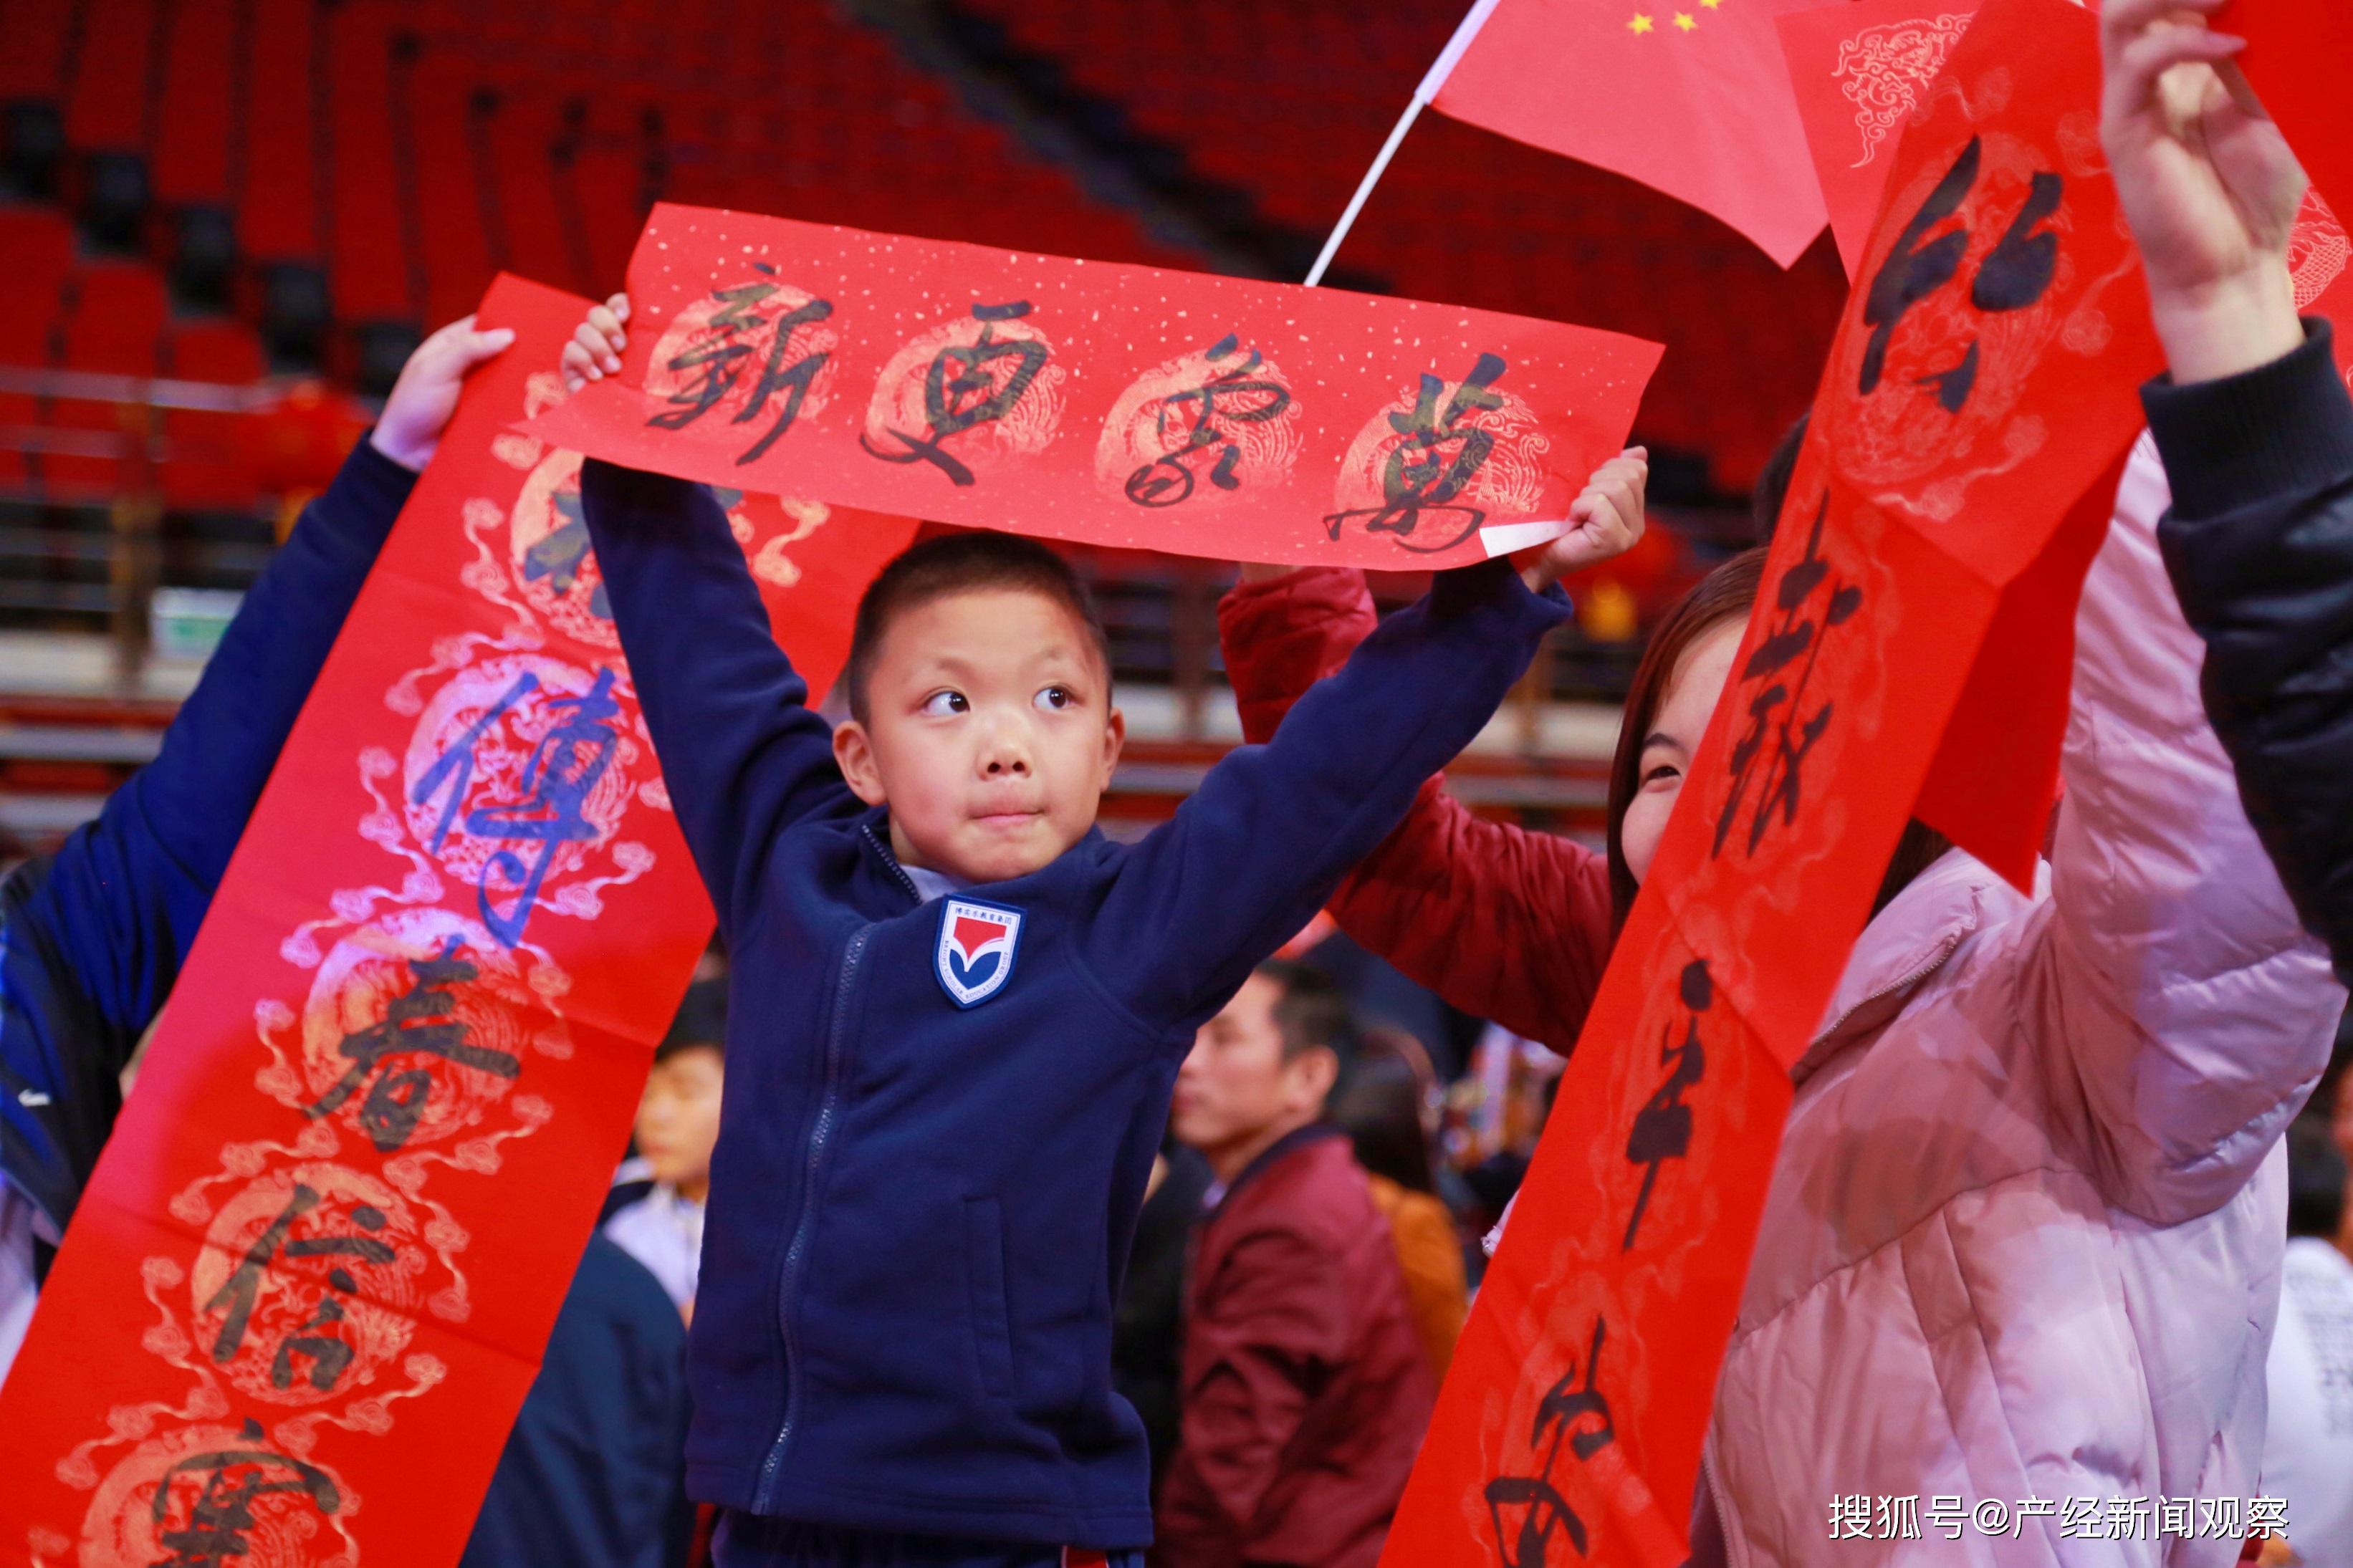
975, 955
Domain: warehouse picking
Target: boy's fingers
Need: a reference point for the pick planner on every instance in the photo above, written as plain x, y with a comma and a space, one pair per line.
2121, 19
2134, 81
619, 305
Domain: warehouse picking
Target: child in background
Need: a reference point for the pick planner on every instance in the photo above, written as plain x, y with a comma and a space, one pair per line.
958, 1008
677, 1126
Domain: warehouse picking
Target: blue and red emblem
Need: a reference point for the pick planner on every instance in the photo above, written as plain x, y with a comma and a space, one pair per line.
974, 956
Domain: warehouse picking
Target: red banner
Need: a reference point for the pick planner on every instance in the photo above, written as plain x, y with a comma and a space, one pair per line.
1697, 104
2295, 58
1083, 400
313, 1275
1859, 70
1911, 652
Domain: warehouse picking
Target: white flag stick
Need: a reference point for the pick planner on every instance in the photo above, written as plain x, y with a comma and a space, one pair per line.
1431, 82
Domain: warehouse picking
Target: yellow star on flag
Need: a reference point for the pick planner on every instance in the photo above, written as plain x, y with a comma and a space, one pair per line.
1710, 5
1640, 24
1683, 20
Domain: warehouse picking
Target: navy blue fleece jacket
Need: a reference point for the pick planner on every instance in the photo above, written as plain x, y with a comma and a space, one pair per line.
920, 1210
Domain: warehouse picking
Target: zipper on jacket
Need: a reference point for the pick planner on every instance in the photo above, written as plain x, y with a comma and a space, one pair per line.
893, 861
788, 1289
1736, 1545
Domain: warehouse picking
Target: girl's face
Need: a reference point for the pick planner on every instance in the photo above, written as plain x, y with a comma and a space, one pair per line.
1681, 723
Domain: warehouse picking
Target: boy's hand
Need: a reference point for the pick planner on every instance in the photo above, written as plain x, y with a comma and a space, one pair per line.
1604, 523
595, 350
422, 400
2207, 183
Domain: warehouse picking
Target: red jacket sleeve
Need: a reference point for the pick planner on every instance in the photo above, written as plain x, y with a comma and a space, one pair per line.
1503, 923
1265, 1332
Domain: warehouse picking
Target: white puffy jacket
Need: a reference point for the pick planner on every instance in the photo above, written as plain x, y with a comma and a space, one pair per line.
2024, 1235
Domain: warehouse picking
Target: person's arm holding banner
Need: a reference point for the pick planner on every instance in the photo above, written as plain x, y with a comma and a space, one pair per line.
1501, 922
92, 938
2257, 435
743, 753
2197, 1015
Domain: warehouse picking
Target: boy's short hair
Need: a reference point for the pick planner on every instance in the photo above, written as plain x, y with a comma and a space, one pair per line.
968, 561
700, 1023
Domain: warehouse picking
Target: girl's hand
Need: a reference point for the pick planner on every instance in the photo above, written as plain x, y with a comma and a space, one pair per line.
1604, 523
595, 350
424, 396
2207, 182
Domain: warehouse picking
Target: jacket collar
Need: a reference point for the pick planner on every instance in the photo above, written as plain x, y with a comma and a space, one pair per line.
1907, 941
1273, 1155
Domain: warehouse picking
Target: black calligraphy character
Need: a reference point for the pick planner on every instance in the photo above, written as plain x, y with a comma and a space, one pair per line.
1662, 1128
229, 1482
330, 1354
1774, 712
560, 555
1435, 463
2015, 275
793, 381
1167, 480
422, 1019
716, 356
1558, 1414
961, 390
238, 1292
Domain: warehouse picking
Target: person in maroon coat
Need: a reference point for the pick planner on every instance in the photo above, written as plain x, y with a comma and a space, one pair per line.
1305, 1390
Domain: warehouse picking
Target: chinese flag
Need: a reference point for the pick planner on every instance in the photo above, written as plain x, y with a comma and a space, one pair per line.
1689, 97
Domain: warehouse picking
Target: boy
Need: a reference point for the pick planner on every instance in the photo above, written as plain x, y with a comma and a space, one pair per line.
677, 1126
958, 1008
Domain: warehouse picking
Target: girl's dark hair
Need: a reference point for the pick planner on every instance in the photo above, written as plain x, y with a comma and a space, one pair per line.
1380, 1109
1726, 594
1729, 593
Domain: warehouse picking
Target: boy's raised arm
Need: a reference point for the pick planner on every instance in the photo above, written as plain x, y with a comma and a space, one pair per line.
741, 754
1504, 922
1249, 859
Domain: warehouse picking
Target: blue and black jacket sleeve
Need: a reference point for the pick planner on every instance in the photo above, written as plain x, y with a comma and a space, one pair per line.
1249, 858
742, 755
92, 938
2258, 544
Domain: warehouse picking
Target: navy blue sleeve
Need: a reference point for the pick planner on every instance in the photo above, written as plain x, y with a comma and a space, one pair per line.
2258, 544
95, 936
741, 754
1249, 858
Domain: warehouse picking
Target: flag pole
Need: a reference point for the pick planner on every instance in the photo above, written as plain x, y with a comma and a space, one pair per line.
1432, 81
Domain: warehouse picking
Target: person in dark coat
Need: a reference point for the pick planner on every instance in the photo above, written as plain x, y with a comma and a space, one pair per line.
594, 1474
92, 937
2256, 432
1306, 1388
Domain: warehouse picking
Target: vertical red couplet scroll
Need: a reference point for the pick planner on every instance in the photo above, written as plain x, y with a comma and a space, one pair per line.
1910, 654
312, 1279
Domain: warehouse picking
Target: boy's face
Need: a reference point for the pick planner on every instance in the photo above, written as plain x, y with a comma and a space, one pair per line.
678, 1119
989, 732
